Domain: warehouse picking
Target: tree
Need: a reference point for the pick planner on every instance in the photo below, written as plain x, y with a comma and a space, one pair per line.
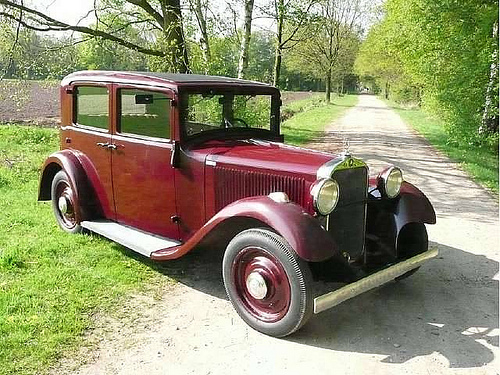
334, 24
447, 53
245, 40
160, 22
291, 17
200, 9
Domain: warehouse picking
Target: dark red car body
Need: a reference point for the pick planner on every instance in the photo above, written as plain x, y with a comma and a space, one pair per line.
208, 189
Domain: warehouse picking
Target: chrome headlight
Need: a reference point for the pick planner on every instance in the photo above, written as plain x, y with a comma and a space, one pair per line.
325, 194
390, 181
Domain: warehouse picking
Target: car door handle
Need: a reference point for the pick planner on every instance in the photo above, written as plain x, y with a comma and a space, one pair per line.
112, 146
102, 144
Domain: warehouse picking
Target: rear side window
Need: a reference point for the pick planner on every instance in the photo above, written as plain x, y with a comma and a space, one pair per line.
92, 107
145, 113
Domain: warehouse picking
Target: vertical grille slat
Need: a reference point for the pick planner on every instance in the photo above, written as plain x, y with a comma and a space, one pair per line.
233, 184
347, 221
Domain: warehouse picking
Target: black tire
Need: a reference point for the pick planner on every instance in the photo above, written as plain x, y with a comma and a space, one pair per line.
66, 218
287, 304
413, 240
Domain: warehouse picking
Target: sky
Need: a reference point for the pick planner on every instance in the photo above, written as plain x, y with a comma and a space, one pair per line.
69, 11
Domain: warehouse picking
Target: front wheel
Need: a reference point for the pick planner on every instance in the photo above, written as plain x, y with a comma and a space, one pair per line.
64, 203
267, 283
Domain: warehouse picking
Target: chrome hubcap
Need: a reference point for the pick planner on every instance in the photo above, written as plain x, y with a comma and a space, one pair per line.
62, 203
256, 285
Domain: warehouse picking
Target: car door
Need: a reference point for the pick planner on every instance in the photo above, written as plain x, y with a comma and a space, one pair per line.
143, 177
90, 134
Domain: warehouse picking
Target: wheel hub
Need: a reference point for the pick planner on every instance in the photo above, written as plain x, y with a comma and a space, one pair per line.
256, 285
62, 204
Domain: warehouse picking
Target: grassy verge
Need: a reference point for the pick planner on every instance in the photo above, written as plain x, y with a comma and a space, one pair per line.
311, 122
481, 163
51, 283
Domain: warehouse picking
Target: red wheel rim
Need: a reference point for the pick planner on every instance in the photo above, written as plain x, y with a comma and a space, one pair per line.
276, 302
68, 218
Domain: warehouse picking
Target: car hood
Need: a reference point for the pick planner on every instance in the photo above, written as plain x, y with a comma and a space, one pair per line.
265, 156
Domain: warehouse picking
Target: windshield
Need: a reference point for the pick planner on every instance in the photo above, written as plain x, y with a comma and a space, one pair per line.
203, 112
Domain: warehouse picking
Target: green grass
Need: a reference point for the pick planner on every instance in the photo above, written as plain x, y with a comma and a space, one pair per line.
315, 116
51, 283
480, 162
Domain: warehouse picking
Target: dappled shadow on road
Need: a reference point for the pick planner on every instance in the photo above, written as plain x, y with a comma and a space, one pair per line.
450, 306
450, 190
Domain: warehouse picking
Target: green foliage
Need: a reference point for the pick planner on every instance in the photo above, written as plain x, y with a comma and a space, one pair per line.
440, 53
51, 283
224, 57
478, 161
34, 56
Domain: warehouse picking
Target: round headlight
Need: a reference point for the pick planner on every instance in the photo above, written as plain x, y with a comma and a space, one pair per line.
325, 195
393, 178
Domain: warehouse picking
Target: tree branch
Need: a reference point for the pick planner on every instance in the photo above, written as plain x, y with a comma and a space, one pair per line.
52, 24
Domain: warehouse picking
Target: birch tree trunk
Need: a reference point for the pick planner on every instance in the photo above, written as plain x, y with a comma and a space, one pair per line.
489, 121
245, 42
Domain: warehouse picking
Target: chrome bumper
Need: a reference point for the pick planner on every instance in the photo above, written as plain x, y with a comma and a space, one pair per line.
338, 296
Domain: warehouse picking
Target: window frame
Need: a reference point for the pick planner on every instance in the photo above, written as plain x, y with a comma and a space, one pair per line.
75, 122
168, 93
273, 133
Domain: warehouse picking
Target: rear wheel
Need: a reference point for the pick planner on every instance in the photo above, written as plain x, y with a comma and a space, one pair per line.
267, 283
64, 203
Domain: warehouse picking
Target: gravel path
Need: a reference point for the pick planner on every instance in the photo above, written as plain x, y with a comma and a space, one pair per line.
442, 320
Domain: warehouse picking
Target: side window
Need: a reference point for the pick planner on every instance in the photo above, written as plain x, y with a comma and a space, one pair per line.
144, 113
92, 107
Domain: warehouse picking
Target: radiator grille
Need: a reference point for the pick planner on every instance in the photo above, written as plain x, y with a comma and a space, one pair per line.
232, 184
347, 221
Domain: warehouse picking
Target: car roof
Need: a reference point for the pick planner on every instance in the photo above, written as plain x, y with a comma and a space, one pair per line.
159, 79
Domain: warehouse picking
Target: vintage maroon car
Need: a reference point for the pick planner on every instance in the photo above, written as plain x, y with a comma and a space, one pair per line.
163, 163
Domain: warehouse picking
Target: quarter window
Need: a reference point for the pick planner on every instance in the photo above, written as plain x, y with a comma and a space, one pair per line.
145, 113
92, 107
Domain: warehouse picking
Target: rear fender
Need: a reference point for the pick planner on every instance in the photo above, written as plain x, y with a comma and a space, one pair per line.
77, 167
302, 231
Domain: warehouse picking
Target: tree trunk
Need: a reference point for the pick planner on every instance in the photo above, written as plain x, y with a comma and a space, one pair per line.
328, 81
204, 41
489, 121
386, 93
174, 36
280, 12
245, 42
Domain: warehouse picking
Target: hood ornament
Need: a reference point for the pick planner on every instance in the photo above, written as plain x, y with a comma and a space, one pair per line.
347, 152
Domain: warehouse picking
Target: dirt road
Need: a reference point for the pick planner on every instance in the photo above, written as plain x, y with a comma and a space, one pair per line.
442, 320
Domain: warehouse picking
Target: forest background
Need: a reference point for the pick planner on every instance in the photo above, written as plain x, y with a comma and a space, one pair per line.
441, 55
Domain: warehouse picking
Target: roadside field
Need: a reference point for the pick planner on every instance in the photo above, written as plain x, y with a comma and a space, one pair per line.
33, 102
309, 117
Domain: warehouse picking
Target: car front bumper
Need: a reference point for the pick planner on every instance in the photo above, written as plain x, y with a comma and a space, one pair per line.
329, 300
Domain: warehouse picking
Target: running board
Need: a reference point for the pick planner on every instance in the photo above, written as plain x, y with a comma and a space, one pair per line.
142, 242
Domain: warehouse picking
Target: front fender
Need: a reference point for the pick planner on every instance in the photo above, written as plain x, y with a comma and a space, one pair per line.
302, 231
413, 207
71, 163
